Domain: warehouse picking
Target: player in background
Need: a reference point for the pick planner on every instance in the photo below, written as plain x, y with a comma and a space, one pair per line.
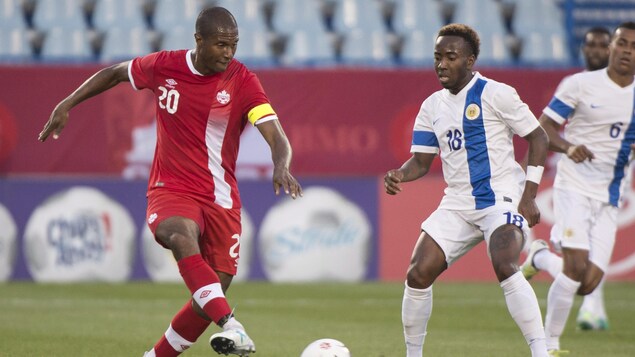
470, 123
595, 48
597, 110
204, 99
592, 314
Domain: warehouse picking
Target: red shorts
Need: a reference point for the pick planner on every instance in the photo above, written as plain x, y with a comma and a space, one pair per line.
220, 228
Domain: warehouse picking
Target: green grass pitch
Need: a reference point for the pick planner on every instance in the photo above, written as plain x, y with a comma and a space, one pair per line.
469, 319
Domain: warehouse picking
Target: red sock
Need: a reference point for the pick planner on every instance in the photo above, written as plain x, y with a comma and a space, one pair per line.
186, 324
204, 286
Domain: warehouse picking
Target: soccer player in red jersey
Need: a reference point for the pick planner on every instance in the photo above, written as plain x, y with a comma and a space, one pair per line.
204, 99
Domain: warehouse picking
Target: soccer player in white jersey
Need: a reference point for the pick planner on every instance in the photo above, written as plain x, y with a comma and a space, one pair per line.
592, 314
470, 123
597, 108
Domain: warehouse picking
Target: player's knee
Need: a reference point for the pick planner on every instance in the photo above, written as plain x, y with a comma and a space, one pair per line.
417, 278
504, 270
586, 289
576, 270
177, 234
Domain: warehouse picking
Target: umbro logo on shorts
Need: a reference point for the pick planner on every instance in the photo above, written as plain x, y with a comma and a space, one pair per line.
152, 218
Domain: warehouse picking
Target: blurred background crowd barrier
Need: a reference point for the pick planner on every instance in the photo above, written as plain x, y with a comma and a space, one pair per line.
346, 78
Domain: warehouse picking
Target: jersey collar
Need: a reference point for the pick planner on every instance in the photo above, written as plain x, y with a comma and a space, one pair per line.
190, 64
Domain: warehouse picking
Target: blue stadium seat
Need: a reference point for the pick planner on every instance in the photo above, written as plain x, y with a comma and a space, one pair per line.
125, 14
122, 44
363, 47
486, 18
540, 23
416, 15
248, 13
308, 40
544, 48
66, 44
254, 48
11, 15
179, 37
59, 13
358, 14
14, 45
170, 14
418, 48
292, 15
309, 48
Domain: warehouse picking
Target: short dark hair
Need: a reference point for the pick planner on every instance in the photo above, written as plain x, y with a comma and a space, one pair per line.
599, 30
464, 31
211, 19
630, 25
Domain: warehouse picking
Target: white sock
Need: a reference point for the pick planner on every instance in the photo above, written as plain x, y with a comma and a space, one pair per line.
594, 302
559, 302
549, 261
416, 309
523, 306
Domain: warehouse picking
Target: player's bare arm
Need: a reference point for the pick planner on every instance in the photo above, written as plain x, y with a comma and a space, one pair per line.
537, 154
98, 83
417, 166
281, 155
557, 143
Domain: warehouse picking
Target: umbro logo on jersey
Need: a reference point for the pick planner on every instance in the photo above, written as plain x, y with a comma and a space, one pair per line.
223, 97
152, 218
595, 106
170, 82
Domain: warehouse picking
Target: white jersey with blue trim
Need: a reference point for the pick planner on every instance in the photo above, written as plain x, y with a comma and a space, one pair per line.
599, 114
473, 132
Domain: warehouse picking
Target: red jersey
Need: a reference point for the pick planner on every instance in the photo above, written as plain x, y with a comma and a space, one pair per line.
199, 122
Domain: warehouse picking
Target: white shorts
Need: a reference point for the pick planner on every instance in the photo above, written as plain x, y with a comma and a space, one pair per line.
456, 232
584, 223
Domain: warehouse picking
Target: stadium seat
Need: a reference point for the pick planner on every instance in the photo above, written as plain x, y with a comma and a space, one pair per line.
363, 47
365, 15
486, 18
309, 48
303, 26
292, 15
248, 13
418, 48
66, 44
417, 15
14, 45
50, 14
544, 48
125, 14
254, 48
179, 37
540, 24
123, 44
170, 14
11, 15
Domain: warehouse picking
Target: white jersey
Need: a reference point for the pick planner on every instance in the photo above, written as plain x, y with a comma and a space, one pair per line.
599, 114
473, 131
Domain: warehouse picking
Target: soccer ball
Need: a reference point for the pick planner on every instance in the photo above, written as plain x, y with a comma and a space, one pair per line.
326, 347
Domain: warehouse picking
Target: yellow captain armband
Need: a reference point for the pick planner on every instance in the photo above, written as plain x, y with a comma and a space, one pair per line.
262, 111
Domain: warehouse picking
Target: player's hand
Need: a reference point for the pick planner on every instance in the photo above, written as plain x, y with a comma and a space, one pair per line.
55, 124
528, 209
392, 179
579, 153
282, 178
